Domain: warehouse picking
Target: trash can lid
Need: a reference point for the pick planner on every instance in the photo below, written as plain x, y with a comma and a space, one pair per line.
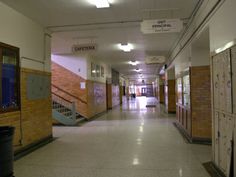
6, 130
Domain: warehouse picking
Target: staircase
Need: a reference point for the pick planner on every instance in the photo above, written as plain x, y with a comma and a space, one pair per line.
64, 111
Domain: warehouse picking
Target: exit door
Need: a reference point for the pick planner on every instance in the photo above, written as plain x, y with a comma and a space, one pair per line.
144, 92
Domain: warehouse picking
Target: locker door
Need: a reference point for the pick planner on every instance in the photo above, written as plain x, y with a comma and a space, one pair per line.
229, 129
222, 143
221, 82
233, 52
234, 144
216, 138
227, 81
216, 81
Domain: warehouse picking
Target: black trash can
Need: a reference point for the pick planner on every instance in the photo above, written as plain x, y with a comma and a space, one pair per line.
6, 151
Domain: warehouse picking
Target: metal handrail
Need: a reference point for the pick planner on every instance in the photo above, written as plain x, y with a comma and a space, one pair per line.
64, 91
53, 93
62, 105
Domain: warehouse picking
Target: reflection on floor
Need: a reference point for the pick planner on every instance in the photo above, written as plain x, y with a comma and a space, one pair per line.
129, 141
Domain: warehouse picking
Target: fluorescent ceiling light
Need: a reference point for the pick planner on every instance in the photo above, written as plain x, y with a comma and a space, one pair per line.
133, 63
140, 80
126, 47
138, 70
227, 46
100, 3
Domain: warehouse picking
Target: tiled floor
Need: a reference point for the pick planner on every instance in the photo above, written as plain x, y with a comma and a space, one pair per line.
133, 141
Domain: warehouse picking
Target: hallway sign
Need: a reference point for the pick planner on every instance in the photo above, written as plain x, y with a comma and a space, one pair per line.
161, 26
84, 48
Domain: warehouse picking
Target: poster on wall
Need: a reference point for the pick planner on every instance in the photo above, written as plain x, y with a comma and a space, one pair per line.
93, 70
98, 70
99, 94
102, 71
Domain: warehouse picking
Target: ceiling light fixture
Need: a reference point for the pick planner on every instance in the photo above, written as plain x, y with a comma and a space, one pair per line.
138, 70
100, 3
133, 63
126, 47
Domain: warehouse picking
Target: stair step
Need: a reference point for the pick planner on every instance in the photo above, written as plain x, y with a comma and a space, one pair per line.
64, 114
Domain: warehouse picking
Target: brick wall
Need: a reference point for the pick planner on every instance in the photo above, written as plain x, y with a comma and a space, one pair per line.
36, 116
109, 96
12, 119
161, 94
89, 101
115, 95
171, 96
96, 98
70, 83
200, 87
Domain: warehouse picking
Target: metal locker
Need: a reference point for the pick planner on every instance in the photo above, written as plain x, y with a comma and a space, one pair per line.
229, 134
222, 143
234, 143
221, 83
216, 81
227, 81
233, 54
216, 138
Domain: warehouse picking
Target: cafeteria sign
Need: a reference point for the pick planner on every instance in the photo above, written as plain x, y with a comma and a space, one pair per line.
84, 48
161, 26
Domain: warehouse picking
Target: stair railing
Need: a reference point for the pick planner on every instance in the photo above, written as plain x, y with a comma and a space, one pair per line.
63, 104
68, 93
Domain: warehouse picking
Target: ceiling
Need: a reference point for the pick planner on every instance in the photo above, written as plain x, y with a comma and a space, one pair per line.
78, 21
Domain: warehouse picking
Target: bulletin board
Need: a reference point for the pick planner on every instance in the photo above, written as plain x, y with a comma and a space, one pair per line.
38, 87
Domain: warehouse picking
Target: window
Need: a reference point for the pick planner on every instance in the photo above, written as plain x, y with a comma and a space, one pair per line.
9, 76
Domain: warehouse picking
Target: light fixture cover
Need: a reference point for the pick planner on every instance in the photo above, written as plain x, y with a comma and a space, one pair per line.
126, 47
101, 3
133, 63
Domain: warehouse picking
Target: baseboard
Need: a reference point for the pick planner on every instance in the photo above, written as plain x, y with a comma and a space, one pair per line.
213, 170
189, 139
32, 147
97, 115
171, 112
197, 140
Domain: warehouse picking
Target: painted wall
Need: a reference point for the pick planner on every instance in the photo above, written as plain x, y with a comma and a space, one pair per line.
33, 122
75, 64
222, 25
200, 56
96, 61
183, 60
96, 93
22, 32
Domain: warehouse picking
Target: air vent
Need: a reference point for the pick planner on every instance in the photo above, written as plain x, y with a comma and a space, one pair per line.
155, 60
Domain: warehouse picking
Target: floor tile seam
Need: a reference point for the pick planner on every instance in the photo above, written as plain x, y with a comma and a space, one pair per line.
143, 168
103, 167
58, 166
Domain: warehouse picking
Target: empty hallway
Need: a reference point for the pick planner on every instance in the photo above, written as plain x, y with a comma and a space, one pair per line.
128, 141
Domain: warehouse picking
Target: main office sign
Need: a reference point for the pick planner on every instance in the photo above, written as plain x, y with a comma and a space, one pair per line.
161, 26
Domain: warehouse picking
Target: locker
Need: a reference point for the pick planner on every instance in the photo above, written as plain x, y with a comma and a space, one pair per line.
222, 143
227, 81
221, 82
216, 81
216, 138
233, 54
224, 105
234, 144
229, 131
